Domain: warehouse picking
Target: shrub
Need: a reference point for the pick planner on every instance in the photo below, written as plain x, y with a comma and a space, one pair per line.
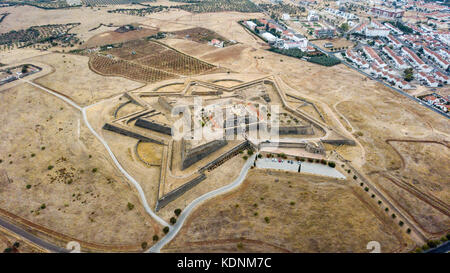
94, 170
130, 206
173, 220
393, 215
401, 223
177, 212
292, 203
267, 219
431, 244
166, 230
245, 157
240, 245
43, 148
361, 184
155, 237
33, 155
259, 156
386, 209
425, 247
50, 167
43, 206
408, 231
28, 186
331, 164
310, 160
144, 244
250, 152
323, 161
366, 189
379, 202
444, 239
355, 177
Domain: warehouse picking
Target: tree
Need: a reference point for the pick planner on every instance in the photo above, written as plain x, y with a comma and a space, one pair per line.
177, 212
166, 230
344, 27
173, 220
408, 74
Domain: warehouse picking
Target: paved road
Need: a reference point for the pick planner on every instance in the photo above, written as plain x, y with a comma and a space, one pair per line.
176, 228
31, 237
444, 248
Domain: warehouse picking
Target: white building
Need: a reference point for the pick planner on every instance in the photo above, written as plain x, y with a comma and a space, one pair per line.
269, 37
399, 62
436, 57
251, 25
375, 28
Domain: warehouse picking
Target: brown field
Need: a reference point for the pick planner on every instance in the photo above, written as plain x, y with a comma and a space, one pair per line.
147, 61
114, 37
427, 217
55, 174
73, 78
337, 43
318, 215
426, 167
116, 67
198, 34
150, 153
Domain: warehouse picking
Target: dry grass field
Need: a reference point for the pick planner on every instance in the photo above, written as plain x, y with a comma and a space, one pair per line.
150, 153
55, 173
426, 167
318, 215
73, 78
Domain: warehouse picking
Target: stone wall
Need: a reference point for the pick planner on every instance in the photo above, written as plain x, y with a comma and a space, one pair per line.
235, 150
169, 197
198, 153
122, 131
296, 130
151, 125
339, 142
165, 104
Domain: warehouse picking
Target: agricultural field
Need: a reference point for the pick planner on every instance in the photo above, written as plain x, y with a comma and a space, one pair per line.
217, 6
43, 4
141, 11
94, 3
146, 61
319, 215
110, 66
39, 34
281, 8
199, 35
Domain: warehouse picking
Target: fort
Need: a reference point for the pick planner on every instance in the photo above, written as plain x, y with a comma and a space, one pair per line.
186, 162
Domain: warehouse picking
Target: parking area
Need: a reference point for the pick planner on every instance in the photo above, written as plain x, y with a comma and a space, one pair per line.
294, 166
